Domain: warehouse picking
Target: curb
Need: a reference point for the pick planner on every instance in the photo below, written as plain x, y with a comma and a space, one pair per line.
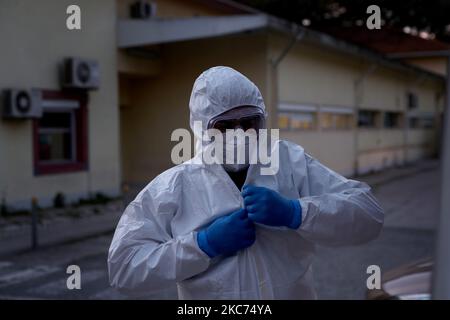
60, 232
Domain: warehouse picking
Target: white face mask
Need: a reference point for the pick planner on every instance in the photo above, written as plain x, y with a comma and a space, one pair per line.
232, 150
237, 147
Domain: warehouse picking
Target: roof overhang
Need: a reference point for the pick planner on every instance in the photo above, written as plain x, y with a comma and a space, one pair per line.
336, 44
136, 33
420, 54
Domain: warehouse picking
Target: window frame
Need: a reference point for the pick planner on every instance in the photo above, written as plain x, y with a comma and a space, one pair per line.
377, 119
80, 126
297, 114
421, 122
72, 130
293, 110
399, 120
349, 119
412, 100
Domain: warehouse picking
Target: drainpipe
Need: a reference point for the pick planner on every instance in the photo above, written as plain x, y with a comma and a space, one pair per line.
358, 89
441, 274
298, 34
416, 83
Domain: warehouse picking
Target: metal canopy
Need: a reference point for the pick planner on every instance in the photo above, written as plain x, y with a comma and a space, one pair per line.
135, 33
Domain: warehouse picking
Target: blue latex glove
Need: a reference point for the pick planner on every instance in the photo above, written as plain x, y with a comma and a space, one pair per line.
268, 207
227, 234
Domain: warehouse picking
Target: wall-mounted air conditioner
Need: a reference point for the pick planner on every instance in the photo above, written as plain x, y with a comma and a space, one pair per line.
80, 73
142, 9
21, 103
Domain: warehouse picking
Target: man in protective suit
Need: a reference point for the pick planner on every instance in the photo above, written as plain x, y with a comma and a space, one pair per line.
225, 231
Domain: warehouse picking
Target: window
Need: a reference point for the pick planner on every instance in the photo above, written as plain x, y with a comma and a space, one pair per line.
60, 136
428, 123
367, 119
297, 116
303, 120
283, 121
417, 122
412, 100
56, 134
335, 121
297, 120
392, 120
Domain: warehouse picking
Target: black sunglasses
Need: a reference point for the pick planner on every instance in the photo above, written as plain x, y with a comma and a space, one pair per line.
244, 123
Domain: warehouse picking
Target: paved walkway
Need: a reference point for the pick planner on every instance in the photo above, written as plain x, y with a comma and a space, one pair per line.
56, 228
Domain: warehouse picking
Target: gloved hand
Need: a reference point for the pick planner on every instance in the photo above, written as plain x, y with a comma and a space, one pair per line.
227, 234
268, 207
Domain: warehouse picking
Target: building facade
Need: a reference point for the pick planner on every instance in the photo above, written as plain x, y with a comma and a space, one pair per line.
354, 110
35, 160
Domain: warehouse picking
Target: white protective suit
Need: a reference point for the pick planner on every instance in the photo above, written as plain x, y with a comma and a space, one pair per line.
155, 245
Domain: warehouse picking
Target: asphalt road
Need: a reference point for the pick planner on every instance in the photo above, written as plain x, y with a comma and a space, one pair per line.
410, 203
411, 211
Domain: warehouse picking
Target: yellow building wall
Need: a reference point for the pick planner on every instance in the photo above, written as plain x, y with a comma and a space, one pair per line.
371, 139
379, 149
384, 89
333, 149
430, 95
310, 75
313, 75
32, 46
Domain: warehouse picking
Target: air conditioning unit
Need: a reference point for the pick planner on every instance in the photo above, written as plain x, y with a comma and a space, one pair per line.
142, 9
80, 73
22, 103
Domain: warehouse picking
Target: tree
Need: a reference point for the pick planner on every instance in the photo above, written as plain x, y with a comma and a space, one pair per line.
427, 18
